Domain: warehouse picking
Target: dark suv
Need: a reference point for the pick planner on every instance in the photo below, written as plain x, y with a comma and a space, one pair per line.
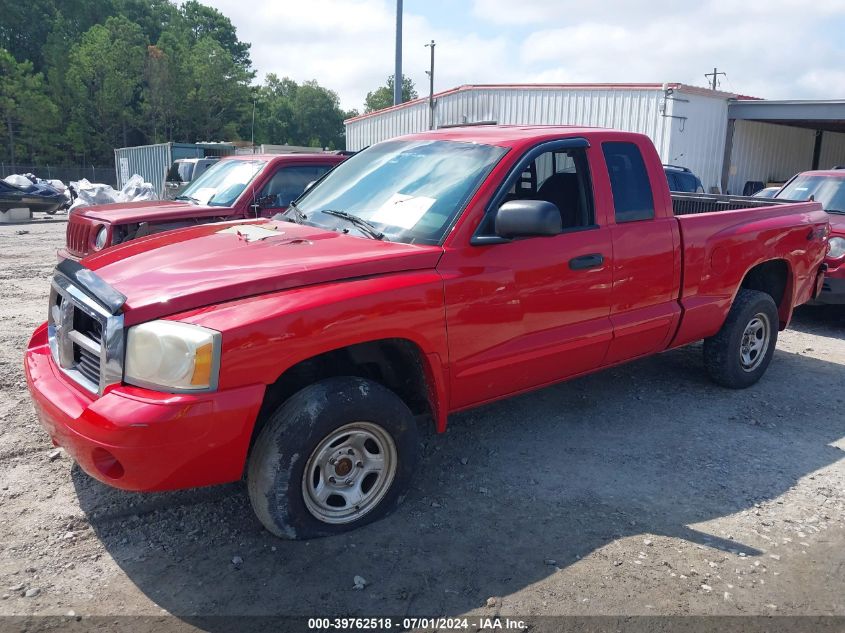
681, 179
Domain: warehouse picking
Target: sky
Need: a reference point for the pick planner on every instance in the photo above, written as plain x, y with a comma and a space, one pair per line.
776, 49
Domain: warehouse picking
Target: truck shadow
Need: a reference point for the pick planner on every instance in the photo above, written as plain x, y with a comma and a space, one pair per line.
825, 320
556, 474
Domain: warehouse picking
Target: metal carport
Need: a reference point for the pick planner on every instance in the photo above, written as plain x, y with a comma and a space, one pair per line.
768, 139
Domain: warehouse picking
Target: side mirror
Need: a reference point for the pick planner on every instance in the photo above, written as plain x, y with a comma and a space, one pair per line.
527, 218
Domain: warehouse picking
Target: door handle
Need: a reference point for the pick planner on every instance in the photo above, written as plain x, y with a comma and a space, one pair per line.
584, 262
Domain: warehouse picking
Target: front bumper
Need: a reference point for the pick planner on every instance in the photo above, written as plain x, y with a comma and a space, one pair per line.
137, 439
63, 254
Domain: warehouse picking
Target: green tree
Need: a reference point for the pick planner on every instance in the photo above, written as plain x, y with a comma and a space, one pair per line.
82, 77
23, 28
28, 116
153, 16
218, 96
382, 97
318, 119
105, 79
274, 110
298, 114
206, 22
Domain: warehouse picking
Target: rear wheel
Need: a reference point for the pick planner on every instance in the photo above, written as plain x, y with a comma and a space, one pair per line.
337, 455
739, 353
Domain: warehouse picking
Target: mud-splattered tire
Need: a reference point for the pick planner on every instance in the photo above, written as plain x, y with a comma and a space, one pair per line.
335, 456
739, 353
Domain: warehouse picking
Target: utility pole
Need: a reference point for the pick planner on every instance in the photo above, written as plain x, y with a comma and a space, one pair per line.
430, 74
397, 72
714, 74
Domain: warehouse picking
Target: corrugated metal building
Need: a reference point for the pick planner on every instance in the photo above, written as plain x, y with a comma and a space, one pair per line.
152, 161
690, 126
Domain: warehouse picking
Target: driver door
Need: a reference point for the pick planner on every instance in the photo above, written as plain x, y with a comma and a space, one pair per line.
526, 312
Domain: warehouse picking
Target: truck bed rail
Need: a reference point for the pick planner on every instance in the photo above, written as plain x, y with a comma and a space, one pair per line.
694, 203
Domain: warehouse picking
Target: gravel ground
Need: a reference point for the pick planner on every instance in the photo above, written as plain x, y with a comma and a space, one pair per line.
640, 490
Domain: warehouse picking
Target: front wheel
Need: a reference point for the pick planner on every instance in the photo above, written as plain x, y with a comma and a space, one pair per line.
739, 353
337, 455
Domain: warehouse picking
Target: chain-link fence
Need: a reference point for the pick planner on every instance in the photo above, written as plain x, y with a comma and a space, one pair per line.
105, 175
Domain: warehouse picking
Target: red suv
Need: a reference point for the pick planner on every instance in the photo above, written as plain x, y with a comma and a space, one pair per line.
236, 188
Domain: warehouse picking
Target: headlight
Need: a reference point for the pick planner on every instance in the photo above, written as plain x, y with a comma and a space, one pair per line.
172, 356
100, 240
836, 247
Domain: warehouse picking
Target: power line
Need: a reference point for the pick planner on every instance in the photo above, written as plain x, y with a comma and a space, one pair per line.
714, 74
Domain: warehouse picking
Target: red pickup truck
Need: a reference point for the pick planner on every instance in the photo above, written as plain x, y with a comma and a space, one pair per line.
426, 275
237, 187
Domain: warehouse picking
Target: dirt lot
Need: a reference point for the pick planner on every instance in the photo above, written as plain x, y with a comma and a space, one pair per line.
641, 490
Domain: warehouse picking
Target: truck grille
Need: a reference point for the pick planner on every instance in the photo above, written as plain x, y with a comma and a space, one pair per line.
86, 341
78, 236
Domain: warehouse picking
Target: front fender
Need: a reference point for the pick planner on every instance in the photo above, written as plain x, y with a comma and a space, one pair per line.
264, 336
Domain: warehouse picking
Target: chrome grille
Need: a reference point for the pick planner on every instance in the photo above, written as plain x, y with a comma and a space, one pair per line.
86, 341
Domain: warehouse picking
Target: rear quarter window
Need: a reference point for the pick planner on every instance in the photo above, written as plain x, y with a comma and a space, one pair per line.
632, 196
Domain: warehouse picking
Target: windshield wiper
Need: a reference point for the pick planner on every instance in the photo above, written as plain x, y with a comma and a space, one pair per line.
191, 198
361, 223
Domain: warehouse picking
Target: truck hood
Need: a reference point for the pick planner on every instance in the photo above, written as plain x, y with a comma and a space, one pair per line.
126, 212
180, 270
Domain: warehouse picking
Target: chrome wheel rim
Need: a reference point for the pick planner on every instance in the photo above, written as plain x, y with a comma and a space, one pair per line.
755, 342
349, 472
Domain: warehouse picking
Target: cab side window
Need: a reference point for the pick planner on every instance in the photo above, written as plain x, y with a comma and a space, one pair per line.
632, 195
561, 177
288, 183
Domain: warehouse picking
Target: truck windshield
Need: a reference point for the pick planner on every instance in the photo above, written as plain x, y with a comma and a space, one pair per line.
221, 185
411, 191
829, 191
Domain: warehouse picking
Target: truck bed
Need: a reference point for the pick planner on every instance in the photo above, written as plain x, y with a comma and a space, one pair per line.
719, 248
694, 203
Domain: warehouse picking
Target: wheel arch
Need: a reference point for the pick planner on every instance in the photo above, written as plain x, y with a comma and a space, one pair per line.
399, 364
774, 277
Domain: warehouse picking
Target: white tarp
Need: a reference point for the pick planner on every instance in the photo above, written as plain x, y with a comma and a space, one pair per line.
92, 194
18, 180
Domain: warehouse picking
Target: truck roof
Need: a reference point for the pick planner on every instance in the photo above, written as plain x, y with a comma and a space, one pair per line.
288, 158
515, 135
830, 173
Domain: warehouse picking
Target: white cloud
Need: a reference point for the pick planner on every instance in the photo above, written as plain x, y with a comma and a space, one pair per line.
348, 46
769, 48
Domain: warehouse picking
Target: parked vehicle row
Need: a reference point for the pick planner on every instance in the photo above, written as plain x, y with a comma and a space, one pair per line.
236, 187
828, 188
183, 171
423, 276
